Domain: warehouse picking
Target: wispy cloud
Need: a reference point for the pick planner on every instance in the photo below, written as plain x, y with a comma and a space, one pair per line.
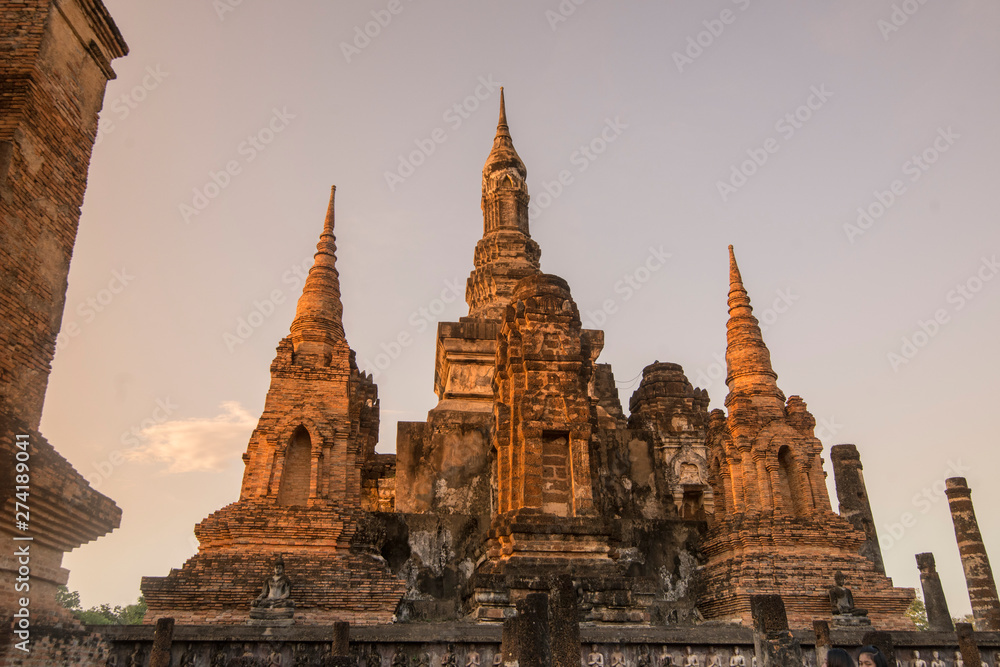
199, 444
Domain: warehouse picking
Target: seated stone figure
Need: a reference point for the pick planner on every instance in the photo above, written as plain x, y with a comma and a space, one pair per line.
842, 600
276, 591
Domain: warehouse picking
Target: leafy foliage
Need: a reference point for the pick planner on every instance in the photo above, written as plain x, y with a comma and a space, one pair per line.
104, 614
918, 614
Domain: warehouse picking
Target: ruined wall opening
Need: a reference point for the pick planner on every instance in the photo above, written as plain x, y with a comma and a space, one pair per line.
297, 469
718, 478
555, 473
791, 495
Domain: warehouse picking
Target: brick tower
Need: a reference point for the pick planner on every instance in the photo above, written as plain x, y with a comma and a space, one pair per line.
302, 487
56, 63
773, 530
442, 463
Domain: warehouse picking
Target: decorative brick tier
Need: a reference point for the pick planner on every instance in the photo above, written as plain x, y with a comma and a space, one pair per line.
330, 581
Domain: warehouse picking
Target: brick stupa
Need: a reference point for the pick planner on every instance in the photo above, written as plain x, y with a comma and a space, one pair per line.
301, 496
773, 530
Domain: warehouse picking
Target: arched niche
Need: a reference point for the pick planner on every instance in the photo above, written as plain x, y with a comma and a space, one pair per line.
293, 489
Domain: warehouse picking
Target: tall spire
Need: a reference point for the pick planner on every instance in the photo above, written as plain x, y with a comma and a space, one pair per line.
318, 322
506, 253
503, 157
503, 112
748, 360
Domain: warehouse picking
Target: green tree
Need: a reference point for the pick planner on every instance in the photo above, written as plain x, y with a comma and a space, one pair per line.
918, 614
104, 614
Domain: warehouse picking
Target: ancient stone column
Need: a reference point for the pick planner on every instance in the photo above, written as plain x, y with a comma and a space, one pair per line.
853, 497
532, 629
564, 623
938, 616
822, 631
967, 643
975, 561
509, 650
773, 642
341, 642
163, 637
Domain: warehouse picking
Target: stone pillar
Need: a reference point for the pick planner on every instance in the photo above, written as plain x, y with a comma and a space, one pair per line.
509, 649
822, 631
938, 616
773, 642
883, 642
564, 623
975, 561
967, 643
341, 641
163, 637
534, 649
853, 497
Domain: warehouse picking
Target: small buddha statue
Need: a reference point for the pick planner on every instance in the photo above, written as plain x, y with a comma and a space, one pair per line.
842, 600
277, 589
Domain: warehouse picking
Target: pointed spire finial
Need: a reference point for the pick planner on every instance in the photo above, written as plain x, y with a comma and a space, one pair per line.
748, 360
503, 111
503, 155
734, 270
328, 223
318, 319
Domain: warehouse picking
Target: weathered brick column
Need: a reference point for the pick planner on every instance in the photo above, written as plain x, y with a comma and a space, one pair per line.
822, 631
967, 644
532, 629
564, 623
853, 497
938, 616
162, 641
773, 642
975, 561
341, 644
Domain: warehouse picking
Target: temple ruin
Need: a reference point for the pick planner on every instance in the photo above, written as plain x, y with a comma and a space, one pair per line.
528, 470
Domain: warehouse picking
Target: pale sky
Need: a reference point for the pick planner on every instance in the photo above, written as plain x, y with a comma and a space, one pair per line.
677, 128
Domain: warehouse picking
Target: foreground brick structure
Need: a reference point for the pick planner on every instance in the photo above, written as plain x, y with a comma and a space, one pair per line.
526, 479
53, 73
